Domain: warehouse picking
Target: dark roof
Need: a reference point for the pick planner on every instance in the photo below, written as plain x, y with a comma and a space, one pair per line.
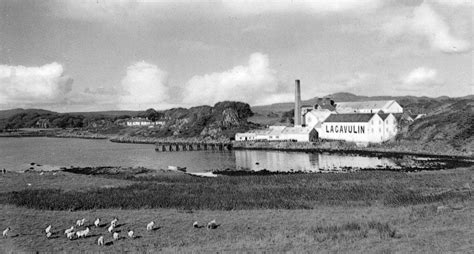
383, 116
325, 106
349, 118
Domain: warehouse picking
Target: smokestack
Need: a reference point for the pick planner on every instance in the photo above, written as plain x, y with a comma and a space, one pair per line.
297, 103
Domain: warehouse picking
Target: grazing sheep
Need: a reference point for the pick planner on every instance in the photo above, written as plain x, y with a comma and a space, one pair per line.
69, 230
49, 234
80, 222
130, 234
97, 222
70, 235
212, 224
196, 224
5, 232
111, 228
114, 222
150, 225
115, 236
83, 233
48, 229
100, 241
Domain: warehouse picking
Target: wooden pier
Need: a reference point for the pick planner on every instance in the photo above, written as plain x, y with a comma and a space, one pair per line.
191, 146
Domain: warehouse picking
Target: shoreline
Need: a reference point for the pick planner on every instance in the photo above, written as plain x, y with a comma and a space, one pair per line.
392, 150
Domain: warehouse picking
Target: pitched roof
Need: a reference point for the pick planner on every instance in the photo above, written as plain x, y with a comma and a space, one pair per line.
358, 105
383, 116
349, 118
297, 130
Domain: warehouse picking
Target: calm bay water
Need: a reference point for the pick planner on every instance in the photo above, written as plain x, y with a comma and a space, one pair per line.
17, 154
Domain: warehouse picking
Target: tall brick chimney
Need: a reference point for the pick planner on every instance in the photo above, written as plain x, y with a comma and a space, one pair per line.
297, 103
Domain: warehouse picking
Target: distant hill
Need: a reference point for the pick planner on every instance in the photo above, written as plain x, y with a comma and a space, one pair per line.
4, 114
108, 113
411, 104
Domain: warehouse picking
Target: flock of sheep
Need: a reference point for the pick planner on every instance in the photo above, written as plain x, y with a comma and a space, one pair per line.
74, 233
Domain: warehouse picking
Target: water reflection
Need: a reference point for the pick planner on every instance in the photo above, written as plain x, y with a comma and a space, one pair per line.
308, 162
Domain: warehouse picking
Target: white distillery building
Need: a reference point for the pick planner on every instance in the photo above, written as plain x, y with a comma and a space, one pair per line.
280, 133
360, 128
137, 122
389, 106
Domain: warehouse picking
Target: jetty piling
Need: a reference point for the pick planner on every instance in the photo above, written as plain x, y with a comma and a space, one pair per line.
191, 146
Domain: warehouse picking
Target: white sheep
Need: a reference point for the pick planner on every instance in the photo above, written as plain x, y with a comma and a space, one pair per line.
83, 233
5, 232
111, 228
49, 234
86, 232
212, 224
100, 241
114, 222
80, 222
196, 224
70, 235
150, 225
130, 234
69, 230
97, 222
48, 229
115, 236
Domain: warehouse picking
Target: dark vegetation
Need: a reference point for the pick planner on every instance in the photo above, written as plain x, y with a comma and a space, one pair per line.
291, 191
222, 120
352, 230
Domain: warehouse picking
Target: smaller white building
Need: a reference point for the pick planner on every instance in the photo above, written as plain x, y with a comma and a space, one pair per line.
137, 122
314, 117
280, 133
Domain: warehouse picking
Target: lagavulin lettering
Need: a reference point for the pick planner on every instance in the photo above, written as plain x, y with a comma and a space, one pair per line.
345, 129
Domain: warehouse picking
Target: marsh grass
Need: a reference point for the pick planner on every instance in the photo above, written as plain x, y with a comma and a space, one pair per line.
293, 191
352, 230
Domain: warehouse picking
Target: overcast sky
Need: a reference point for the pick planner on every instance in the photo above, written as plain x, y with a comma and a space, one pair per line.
101, 55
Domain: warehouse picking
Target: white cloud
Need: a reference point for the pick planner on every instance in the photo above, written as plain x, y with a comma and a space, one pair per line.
428, 24
23, 86
420, 78
454, 3
255, 83
143, 87
315, 6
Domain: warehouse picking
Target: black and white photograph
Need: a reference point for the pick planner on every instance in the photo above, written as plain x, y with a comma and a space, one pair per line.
236, 126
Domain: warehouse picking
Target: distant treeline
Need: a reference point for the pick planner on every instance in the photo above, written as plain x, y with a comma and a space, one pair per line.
55, 120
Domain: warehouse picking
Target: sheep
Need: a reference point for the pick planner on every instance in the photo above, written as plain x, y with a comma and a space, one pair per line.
130, 233
83, 233
86, 232
196, 224
150, 226
97, 222
111, 228
48, 229
70, 235
69, 230
114, 222
212, 224
49, 234
115, 236
100, 241
5, 232
80, 222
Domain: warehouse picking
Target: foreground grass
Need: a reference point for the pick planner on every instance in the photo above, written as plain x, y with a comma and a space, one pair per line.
325, 229
292, 191
375, 212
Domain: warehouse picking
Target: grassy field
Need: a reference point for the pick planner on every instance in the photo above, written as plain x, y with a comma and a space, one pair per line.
378, 212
